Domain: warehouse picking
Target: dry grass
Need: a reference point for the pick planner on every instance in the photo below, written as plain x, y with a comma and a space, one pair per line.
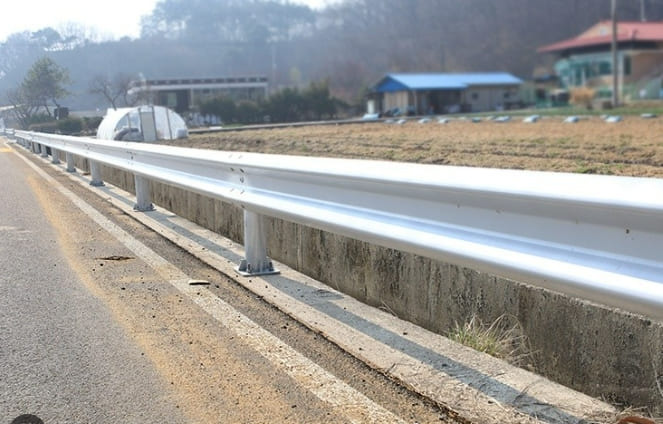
582, 96
503, 339
633, 147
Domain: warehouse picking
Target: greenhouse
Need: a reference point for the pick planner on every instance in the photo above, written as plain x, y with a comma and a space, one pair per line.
142, 123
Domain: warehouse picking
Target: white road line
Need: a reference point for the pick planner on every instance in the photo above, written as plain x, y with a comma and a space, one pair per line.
345, 400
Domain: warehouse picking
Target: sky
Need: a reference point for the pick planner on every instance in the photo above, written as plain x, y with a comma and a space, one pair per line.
110, 18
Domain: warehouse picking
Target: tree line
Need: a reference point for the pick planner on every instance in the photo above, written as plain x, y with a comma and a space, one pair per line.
288, 105
36, 101
352, 43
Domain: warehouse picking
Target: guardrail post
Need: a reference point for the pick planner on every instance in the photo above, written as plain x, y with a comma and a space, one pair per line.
44, 152
95, 172
55, 158
143, 197
256, 261
71, 166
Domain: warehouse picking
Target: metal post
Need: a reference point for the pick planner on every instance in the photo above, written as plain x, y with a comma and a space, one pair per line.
170, 129
95, 172
256, 261
55, 159
143, 198
44, 151
71, 166
33, 147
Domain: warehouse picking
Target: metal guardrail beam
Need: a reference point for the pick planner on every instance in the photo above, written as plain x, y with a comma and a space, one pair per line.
282, 125
594, 237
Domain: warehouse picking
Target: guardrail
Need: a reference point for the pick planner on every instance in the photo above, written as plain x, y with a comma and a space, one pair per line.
283, 125
595, 237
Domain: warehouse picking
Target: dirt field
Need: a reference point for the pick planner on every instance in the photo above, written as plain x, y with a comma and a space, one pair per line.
633, 147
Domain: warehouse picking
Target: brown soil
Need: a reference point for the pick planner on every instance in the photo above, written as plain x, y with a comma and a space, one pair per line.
633, 147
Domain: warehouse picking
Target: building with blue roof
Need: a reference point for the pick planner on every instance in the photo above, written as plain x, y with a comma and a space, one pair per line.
426, 94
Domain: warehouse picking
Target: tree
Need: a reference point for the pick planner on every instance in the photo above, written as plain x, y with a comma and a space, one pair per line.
78, 35
113, 90
45, 83
242, 21
286, 105
222, 107
247, 112
23, 111
318, 101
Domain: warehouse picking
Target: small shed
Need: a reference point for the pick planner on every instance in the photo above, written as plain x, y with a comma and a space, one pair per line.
143, 123
425, 94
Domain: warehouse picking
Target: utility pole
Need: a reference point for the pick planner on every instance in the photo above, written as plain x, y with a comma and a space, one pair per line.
273, 81
615, 65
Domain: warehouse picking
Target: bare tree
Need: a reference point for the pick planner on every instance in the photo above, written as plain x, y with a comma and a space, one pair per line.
113, 90
77, 35
23, 110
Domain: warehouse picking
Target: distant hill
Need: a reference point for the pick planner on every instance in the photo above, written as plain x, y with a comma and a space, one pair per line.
352, 43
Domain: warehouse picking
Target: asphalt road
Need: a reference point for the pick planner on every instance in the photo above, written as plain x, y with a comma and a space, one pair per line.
63, 357
90, 331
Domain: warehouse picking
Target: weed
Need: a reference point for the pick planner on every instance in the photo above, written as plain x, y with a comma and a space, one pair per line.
500, 339
583, 168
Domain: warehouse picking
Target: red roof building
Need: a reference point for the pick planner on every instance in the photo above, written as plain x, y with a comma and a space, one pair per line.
600, 36
586, 59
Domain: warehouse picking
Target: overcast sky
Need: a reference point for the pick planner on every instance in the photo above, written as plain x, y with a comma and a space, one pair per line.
113, 18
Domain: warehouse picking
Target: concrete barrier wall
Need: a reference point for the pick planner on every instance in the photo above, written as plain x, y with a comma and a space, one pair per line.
602, 352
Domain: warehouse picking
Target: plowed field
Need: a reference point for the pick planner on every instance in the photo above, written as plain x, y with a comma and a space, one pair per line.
633, 147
